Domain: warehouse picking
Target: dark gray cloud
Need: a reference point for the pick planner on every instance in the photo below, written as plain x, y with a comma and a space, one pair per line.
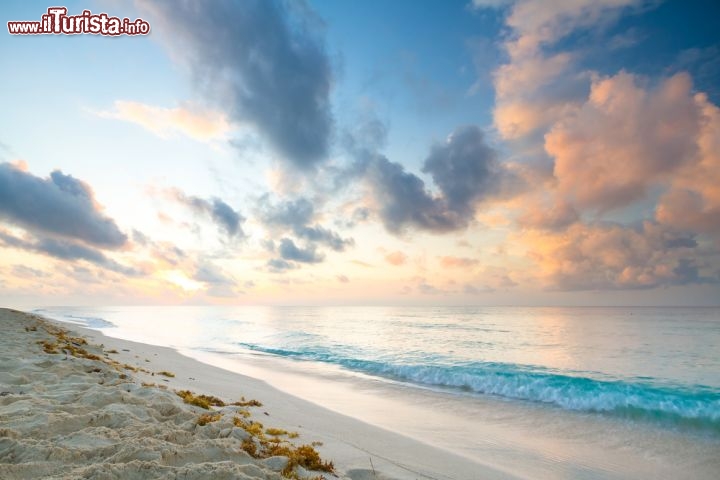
220, 212
359, 215
66, 250
464, 169
687, 272
297, 216
291, 213
686, 240
289, 251
322, 235
278, 265
218, 283
60, 205
291, 255
209, 273
140, 238
261, 62
224, 215
404, 200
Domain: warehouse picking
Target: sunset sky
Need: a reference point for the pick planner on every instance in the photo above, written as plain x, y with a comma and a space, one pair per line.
494, 152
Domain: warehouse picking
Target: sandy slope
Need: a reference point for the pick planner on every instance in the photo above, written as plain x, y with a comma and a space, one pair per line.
67, 417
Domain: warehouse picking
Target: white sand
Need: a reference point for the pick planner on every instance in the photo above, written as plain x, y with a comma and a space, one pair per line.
68, 417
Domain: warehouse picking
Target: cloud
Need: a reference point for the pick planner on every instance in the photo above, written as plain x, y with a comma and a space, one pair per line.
218, 283
704, 63
60, 205
167, 253
556, 216
24, 271
536, 24
403, 200
342, 279
220, 212
624, 139
278, 265
531, 93
490, 3
537, 85
324, 236
612, 256
289, 251
472, 290
693, 199
361, 263
457, 262
626, 39
263, 65
428, 289
396, 258
209, 273
290, 213
466, 172
369, 135
65, 250
224, 215
296, 216
628, 141
190, 120
465, 169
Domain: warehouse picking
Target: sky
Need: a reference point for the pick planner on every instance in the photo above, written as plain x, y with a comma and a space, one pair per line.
484, 152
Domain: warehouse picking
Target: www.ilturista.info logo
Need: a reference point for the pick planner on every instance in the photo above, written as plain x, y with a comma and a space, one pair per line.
57, 22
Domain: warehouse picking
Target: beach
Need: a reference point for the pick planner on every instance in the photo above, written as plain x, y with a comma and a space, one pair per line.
71, 415
112, 407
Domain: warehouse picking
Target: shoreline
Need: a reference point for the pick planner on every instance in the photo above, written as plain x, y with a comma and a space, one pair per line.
358, 450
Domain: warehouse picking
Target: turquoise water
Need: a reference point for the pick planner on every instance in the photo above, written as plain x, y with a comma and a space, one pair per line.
658, 365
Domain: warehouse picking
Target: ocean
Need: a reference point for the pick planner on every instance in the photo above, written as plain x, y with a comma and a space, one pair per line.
544, 392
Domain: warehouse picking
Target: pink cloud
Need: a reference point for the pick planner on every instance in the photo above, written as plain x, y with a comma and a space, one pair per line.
190, 120
396, 258
624, 139
457, 262
693, 200
612, 256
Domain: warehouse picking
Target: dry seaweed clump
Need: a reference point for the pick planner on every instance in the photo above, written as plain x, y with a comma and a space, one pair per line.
202, 401
165, 373
66, 344
206, 401
206, 418
260, 446
247, 403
